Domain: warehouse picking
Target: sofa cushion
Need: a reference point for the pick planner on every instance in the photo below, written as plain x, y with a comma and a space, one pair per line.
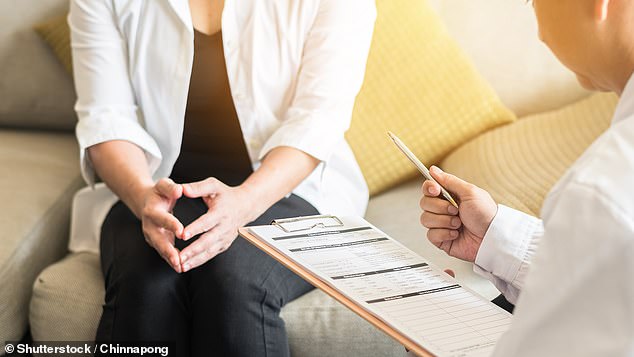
39, 175
56, 33
419, 85
519, 163
67, 300
35, 89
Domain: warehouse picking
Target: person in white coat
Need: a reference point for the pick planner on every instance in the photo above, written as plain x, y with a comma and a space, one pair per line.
571, 272
201, 117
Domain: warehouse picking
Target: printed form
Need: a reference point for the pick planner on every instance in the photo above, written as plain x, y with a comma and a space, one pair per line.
394, 284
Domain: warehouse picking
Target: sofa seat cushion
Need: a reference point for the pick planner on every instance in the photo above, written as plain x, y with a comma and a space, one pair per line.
67, 299
38, 178
68, 296
519, 163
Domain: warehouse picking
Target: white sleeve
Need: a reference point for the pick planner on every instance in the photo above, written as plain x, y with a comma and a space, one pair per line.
507, 249
106, 106
578, 299
331, 73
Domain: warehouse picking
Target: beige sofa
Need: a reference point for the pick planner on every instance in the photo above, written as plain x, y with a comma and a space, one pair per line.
39, 173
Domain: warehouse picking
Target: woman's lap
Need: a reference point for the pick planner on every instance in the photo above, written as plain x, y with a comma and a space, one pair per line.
230, 304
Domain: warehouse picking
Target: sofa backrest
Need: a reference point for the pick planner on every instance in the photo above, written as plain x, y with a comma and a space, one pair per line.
501, 38
35, 90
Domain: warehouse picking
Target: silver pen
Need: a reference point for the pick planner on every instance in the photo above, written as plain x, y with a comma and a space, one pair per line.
419, 165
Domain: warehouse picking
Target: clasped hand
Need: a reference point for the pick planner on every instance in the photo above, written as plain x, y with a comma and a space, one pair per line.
228, 210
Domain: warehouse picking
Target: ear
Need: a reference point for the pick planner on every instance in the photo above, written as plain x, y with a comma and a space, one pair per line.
601, 8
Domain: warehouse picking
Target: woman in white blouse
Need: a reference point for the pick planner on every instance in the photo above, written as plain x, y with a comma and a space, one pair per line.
201, 117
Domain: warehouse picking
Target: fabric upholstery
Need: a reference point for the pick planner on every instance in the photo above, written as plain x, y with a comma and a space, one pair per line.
36, 91
67, 299
421, 86
68, 295
320, 326
519, 163
500, 37
56, 33
38, 177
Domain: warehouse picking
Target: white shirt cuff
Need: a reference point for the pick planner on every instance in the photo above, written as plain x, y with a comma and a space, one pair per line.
507, 248
92, 130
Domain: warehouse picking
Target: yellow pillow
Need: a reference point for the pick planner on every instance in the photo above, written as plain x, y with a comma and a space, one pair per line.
519, 163
419, 85
56, 34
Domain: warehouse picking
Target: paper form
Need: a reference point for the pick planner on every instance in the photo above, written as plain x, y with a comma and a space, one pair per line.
396, 285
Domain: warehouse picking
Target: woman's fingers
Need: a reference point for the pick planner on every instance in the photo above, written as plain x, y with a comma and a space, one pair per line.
437, 205
433, 220
159, 204
162, 242
202, 250
164, 220
168, 189
202, 224
202, 188
169, 254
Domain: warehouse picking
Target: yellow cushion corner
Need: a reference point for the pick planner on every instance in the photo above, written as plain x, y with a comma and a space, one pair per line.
56, 33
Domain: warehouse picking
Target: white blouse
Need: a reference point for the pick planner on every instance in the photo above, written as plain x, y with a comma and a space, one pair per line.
294, 68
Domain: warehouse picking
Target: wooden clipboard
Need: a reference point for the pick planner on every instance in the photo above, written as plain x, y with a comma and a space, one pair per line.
350, 304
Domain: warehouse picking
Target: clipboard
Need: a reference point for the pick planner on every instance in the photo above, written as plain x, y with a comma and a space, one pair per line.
325, 221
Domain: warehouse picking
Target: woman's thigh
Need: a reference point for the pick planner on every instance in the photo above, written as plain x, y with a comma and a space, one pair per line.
145, 298
238, 294
231, 303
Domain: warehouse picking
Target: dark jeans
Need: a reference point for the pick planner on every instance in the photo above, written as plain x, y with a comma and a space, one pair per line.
229, 306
